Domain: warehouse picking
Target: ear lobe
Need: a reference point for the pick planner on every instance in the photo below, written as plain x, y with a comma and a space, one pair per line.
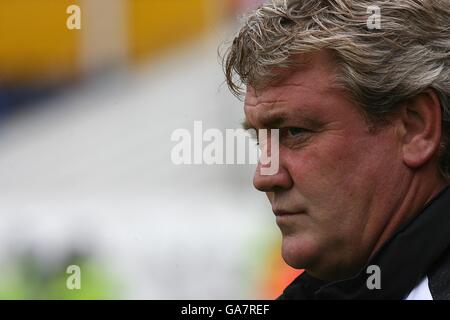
421, 119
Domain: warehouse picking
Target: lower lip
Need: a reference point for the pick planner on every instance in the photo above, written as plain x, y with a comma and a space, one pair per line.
287, 217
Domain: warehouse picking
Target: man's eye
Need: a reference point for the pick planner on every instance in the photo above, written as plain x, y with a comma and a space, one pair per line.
295, 131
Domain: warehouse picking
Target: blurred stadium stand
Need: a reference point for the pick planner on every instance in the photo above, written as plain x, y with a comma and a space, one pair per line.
85, 145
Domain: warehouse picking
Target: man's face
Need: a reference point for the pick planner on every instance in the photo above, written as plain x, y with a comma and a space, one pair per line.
336, 185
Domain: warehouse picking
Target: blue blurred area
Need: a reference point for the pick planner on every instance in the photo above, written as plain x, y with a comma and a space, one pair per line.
19, 97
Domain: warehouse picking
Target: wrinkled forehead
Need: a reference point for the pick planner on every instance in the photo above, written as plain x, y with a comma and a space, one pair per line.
315, 73
309, 92
299, 88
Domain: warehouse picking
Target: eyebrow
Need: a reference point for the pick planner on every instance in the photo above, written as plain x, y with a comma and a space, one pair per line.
270, 122
276, 121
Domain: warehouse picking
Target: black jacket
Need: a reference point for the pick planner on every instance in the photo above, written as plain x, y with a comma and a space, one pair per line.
414, 263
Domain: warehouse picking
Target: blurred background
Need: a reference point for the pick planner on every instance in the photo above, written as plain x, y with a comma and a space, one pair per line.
86, 178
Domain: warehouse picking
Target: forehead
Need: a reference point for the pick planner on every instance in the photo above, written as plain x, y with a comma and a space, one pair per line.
310, 88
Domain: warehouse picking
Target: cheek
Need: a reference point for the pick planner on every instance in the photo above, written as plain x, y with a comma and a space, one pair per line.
334, 171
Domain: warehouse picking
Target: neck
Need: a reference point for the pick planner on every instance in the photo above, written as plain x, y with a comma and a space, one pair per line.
419, 192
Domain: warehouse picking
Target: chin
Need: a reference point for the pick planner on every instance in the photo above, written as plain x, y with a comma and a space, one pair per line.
299, 252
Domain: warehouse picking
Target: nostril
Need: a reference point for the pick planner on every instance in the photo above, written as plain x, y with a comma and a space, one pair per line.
264, 183
260, 182
270, 183
257, 184
277, 189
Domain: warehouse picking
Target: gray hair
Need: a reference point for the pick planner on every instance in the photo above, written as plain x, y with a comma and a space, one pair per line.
379, 68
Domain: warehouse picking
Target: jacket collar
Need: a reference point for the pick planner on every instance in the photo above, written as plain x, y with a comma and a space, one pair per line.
403, 260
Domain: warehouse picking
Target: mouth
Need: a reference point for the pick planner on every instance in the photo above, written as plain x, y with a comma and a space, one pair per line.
286, 219
286, 213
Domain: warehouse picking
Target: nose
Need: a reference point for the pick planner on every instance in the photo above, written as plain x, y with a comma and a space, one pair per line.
270, 183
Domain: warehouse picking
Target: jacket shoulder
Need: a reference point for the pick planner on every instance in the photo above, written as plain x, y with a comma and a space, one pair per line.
439, 278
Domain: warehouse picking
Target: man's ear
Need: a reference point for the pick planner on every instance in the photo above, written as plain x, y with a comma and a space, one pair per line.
421, 128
